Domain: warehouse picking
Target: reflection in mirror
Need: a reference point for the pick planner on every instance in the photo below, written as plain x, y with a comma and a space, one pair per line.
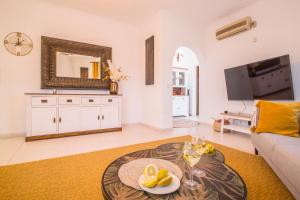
77, 66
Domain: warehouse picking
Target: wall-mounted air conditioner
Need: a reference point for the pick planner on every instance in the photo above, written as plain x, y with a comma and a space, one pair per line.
234, 28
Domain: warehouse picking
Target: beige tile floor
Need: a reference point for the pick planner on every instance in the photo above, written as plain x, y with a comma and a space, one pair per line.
16, 150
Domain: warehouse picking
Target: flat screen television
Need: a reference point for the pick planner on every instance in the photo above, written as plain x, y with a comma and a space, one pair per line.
268, 79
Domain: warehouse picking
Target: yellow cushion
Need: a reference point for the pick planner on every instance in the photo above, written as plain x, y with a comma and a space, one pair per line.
278, 118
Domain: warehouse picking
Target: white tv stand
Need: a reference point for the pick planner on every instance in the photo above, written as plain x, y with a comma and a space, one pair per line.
236, 116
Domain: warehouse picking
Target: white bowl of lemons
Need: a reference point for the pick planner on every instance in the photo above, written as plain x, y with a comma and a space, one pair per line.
158, 181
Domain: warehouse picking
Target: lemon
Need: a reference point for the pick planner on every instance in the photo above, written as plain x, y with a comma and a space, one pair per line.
150, 181
162, 173
209, 148
150, 170
165, 181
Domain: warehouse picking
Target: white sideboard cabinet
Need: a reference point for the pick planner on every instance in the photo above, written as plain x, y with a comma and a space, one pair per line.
60, 115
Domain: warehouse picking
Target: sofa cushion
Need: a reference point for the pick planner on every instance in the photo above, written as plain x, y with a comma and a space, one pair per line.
286, 157
278, 118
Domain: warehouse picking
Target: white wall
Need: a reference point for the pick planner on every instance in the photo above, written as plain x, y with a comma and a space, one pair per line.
277, 33
22, 74
152, 95
179, 30
171, 32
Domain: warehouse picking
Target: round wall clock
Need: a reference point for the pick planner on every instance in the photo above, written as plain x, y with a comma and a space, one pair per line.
18, 44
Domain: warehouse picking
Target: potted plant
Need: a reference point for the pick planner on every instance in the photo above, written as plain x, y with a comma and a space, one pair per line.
115, 75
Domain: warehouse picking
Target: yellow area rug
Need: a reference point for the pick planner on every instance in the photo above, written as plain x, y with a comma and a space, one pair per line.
79, 176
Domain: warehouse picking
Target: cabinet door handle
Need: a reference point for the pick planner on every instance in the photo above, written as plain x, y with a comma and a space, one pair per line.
44, 101
98, 117
69, 100
59, 119
54, 120
91, 100
109, 100
102, 116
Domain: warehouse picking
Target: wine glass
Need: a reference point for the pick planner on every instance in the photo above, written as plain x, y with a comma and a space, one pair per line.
199, 146
192, 158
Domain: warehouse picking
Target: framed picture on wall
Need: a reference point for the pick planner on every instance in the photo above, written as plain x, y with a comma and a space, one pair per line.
149, 71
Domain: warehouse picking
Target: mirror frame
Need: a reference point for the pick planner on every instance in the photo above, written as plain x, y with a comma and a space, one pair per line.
49, 80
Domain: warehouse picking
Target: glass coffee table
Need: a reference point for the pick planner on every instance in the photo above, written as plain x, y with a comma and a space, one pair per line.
220, 182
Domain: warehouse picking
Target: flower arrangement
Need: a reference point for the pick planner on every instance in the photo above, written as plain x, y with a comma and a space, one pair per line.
113, 73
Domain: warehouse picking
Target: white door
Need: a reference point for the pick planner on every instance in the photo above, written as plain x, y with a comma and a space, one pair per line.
69, 119
43, 121
90, 118
110, 117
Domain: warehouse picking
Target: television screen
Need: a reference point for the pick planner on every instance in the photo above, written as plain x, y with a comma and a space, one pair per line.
269, 79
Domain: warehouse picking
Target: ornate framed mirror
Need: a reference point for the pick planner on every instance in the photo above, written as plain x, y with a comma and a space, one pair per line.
73, 65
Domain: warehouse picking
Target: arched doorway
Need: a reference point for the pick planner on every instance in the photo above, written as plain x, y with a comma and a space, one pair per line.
185, 84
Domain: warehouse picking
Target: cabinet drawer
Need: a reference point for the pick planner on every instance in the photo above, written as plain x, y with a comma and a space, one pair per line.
90, 100
43, 101
69, 100
109, 100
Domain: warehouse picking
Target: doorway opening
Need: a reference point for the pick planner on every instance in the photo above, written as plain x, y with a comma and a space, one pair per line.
185, 88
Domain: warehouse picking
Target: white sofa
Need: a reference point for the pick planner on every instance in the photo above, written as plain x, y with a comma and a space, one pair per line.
282, 153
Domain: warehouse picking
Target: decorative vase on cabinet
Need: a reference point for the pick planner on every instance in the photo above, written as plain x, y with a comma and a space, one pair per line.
115, 75
113, 88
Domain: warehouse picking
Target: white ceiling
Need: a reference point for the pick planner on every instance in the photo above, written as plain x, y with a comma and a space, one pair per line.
136, 11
